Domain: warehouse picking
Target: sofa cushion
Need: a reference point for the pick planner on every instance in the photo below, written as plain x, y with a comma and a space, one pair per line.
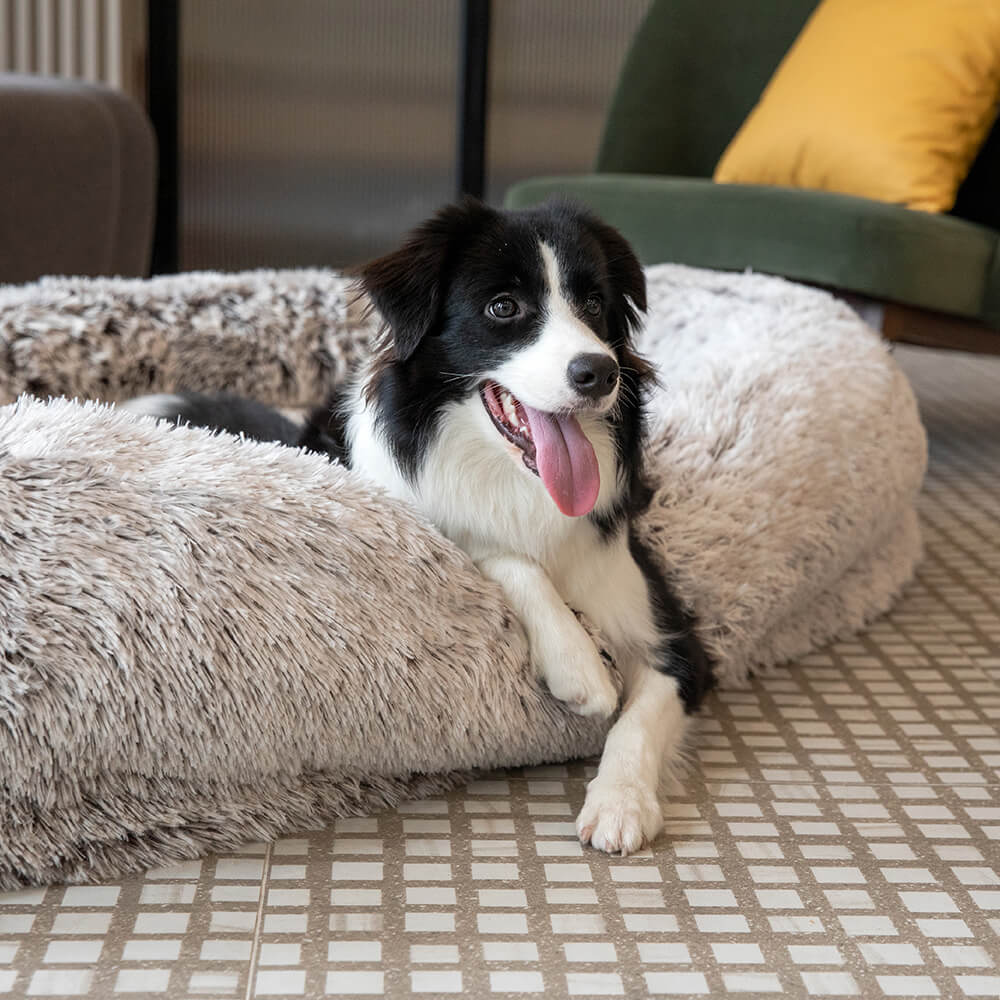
886, 99
855, 244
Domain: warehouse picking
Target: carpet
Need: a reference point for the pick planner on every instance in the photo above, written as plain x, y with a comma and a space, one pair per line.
837, 837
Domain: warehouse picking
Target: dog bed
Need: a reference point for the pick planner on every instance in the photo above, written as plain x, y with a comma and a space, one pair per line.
207, 640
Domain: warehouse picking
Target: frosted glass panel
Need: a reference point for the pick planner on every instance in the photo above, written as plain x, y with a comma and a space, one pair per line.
315, 132
554, 67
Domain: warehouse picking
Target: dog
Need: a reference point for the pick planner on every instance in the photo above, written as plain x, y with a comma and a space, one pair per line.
506, 403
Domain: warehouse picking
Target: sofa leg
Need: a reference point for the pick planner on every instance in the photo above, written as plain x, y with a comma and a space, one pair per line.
932, 329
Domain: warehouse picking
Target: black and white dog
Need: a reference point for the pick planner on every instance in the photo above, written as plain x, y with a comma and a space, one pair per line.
506, 403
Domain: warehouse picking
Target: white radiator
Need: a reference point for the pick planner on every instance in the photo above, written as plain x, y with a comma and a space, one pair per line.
98, 40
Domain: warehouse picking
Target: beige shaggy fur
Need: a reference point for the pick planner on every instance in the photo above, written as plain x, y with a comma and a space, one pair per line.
205, 641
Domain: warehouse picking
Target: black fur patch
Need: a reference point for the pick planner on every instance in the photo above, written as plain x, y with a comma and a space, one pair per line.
432, 294
325, 428
683, 656
233, 414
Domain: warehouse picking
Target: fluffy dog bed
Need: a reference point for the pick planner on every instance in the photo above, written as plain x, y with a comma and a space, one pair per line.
206, 641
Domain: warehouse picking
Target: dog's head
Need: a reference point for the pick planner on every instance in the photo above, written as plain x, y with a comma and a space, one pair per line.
532, 310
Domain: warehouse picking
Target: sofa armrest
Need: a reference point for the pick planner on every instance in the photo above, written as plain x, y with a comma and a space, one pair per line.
77, 178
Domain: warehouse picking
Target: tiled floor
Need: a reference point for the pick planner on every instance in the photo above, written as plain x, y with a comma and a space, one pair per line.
840, 835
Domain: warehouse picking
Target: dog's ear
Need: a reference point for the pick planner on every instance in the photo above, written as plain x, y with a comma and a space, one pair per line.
625, 273
408, 285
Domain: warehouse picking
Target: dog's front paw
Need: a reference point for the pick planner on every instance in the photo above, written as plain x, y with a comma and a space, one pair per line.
576, 675
619, 816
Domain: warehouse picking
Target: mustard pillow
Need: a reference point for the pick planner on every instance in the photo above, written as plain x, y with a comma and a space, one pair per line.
886, 99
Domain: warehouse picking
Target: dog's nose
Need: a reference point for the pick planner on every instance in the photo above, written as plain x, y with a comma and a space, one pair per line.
593, 375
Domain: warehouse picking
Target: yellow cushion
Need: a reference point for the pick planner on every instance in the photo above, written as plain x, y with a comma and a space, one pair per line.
886, 99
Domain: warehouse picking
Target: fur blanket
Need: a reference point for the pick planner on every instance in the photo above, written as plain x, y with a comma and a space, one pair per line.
205, 641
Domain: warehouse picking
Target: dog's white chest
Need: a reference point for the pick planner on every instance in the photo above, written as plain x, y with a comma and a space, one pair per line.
476, 489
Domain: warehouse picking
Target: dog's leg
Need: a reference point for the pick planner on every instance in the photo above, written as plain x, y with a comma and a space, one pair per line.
622, 811
562, 652
622, 808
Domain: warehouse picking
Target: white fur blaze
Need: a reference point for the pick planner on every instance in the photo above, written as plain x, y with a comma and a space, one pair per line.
537, 374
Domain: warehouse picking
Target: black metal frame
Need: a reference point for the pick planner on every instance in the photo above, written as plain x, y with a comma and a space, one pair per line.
163, 38
473, 96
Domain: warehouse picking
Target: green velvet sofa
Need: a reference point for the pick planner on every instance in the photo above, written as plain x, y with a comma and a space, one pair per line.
694, 72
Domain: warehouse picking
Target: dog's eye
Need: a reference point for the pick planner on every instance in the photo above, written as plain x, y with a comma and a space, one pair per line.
594, 305
503, 307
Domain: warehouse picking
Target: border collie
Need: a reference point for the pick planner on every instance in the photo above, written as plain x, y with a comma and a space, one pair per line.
506, 402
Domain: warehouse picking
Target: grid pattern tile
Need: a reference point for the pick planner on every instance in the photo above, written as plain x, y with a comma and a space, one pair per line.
839, 835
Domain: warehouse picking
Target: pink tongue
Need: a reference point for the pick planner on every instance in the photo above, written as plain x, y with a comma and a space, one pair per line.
566, 461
